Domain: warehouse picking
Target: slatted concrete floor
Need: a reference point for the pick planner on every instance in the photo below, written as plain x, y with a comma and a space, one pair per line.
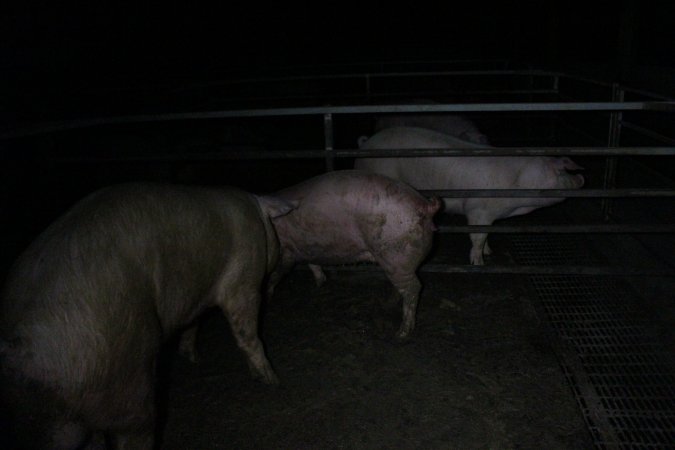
621, 376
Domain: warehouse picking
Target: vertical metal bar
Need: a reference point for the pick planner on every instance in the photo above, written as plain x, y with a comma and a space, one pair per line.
555, 118
556, 84
530, 86
613, 139
328, 135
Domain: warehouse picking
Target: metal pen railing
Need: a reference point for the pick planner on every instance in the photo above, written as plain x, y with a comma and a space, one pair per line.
616, 106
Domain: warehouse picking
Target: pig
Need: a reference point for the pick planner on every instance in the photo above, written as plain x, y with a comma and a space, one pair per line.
351, 216
467, 172
87, 306
451, 124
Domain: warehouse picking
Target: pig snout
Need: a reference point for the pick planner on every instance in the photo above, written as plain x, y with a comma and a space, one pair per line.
579, 181
361, 141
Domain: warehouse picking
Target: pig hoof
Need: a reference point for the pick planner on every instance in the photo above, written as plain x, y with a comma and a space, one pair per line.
267, 376
477, 260
402, 335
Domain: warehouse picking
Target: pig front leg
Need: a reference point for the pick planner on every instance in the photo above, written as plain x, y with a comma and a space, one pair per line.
479, 245
487, 251
242, 314
478, 241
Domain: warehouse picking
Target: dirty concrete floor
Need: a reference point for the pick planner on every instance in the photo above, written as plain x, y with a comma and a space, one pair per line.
477, 373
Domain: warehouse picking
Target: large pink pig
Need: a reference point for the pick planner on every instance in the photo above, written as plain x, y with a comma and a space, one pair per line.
350, 216
468, 172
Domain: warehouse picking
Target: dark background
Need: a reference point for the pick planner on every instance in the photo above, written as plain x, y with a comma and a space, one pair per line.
53, 56
94, 59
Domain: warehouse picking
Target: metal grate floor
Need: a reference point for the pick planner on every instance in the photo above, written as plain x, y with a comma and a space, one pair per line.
623, 380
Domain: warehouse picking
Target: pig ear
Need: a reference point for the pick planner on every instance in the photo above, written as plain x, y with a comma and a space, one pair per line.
362, 140
275, 207
566, 163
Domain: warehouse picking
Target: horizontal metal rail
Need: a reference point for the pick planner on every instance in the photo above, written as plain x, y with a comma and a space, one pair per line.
582, 78
644, 93
321, 110
195, 153
585, 229
524, 270
509, 151
581, 132
380, 95
548, 193
550, 270
371, 75
647, 132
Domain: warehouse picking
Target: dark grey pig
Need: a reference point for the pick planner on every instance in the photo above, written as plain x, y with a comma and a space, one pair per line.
87, 306
350, 216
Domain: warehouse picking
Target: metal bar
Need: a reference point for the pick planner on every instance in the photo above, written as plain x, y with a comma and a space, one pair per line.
573, 229
383, 75
549, 193
369, 96
367, 109
647, 132
584, 79
524, 270
508, 151
579, 131
229, 153
613, 139
545, 270
328, 135
646, 93
555, 119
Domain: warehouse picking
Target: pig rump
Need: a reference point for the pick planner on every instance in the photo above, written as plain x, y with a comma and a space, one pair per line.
350, 216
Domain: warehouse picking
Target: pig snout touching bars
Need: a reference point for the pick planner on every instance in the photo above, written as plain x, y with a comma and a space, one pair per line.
351, 216
87, 306
468, 172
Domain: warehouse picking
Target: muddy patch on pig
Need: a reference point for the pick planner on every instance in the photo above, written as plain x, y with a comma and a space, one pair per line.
477, 372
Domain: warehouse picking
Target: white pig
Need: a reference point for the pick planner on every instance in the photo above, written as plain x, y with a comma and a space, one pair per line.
448, 123
470, 172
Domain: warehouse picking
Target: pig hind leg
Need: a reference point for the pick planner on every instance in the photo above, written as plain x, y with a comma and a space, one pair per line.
242, 314
407, 285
